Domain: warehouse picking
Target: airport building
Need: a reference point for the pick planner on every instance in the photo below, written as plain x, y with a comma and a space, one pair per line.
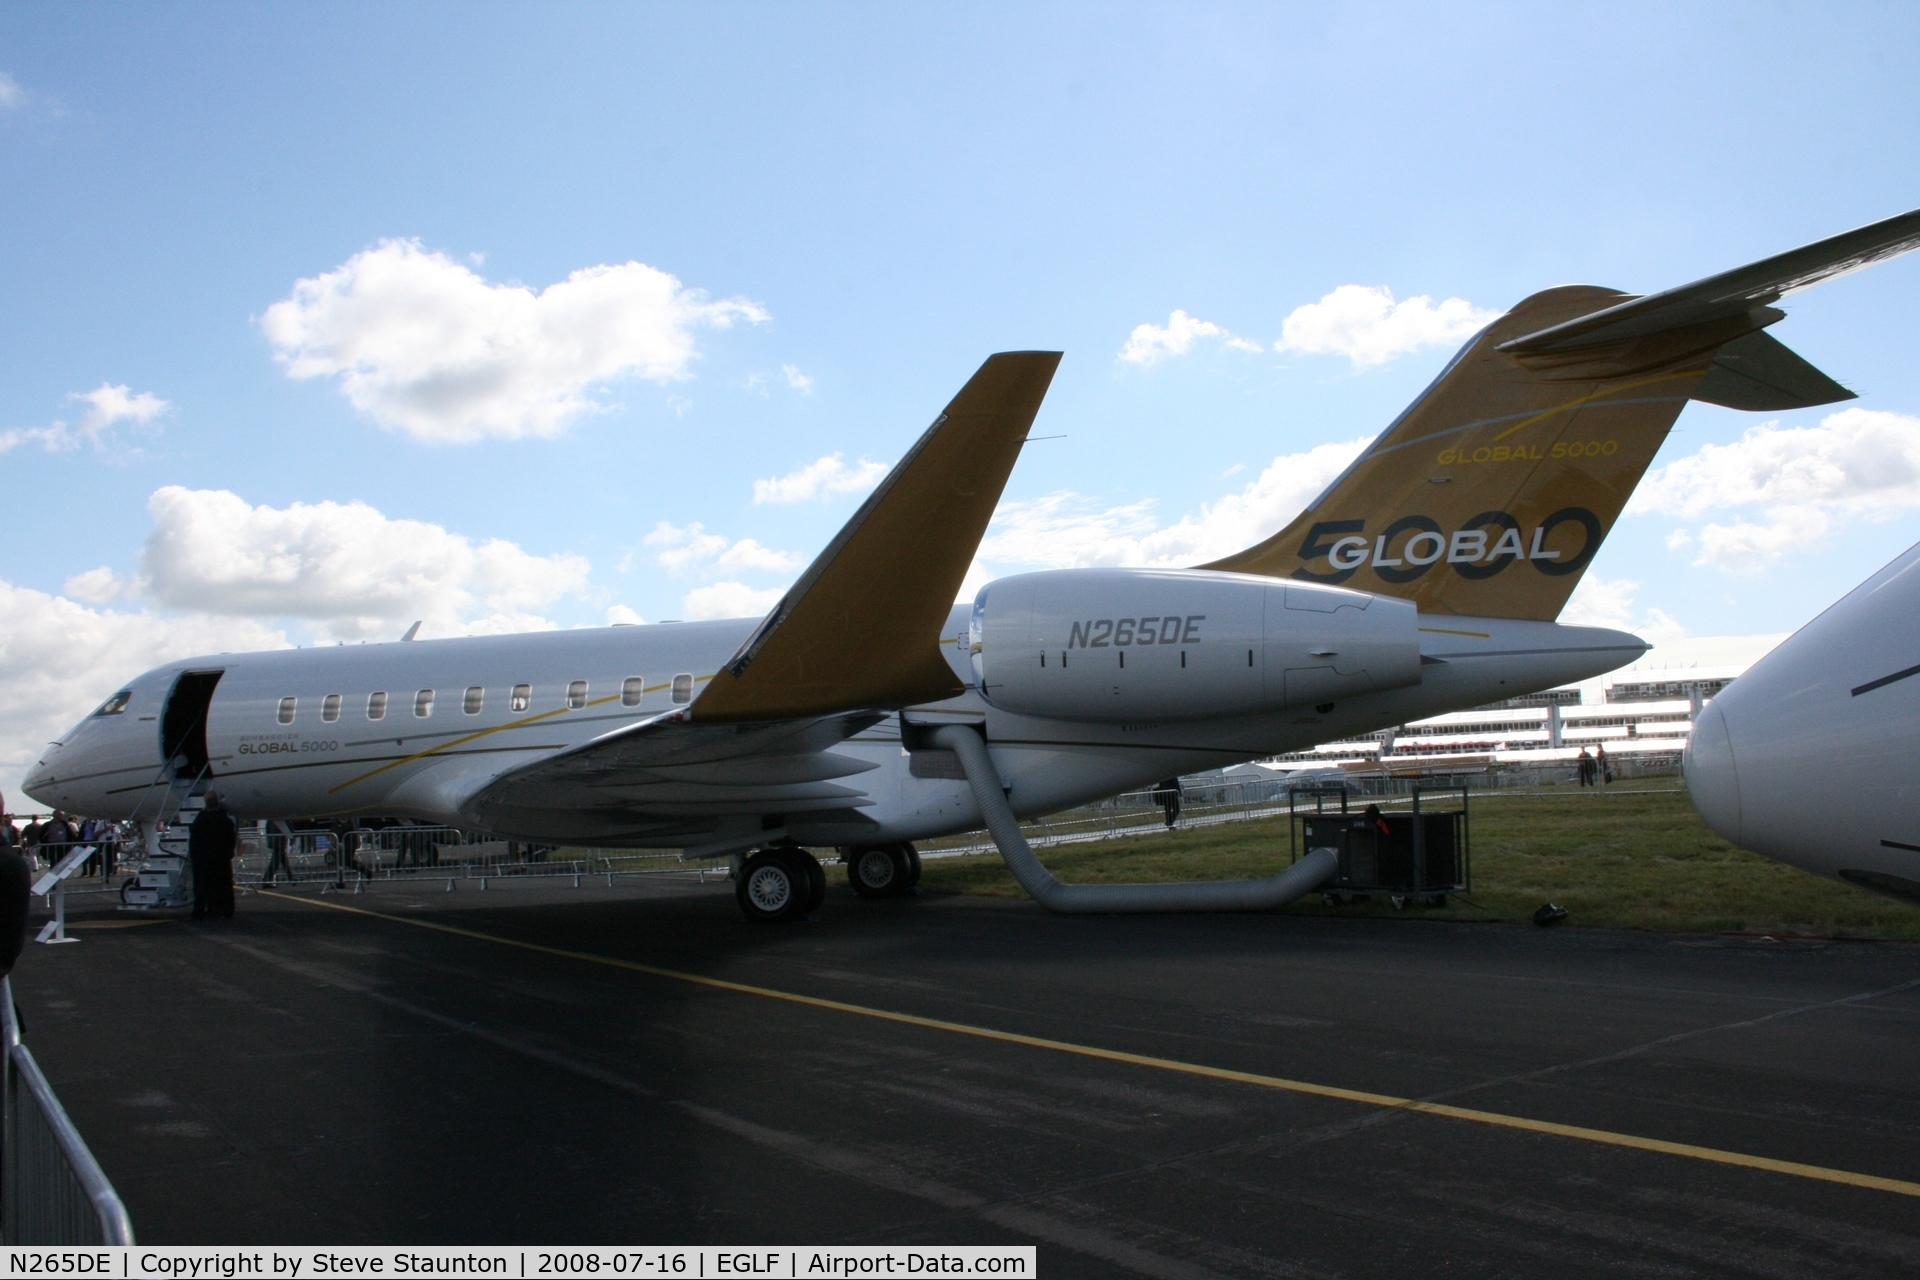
1639, 714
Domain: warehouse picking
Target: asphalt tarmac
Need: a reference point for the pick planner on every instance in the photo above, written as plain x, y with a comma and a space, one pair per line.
1158, 1096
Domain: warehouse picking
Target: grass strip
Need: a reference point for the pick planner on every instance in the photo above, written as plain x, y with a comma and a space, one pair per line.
1635, 857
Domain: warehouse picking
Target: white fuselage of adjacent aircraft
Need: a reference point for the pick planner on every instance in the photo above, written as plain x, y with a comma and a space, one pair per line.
1810, 756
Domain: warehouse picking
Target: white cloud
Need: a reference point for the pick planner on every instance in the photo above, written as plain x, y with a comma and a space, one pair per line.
684, 548
820, 479
1746, 548
1608, 602
1365, 324
11, 94
1149, 343
1856, 463
1066, 529
797, 380
619, 615
729, 600
108, 405
97, 586
692, 547
355, 572
59, 659
424, 345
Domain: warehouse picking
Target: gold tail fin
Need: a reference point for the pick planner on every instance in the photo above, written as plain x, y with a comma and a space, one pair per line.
1491, 493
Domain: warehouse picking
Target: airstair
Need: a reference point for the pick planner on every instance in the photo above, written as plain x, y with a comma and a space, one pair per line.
165, 875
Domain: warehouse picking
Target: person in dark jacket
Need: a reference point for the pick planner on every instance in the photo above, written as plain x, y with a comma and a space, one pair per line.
1167, 794
57, 837
211, 842
16, 895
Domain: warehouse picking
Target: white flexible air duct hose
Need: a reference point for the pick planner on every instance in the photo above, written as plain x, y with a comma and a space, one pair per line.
1298, 880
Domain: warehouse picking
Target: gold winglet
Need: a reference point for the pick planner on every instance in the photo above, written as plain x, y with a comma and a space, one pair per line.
861, 628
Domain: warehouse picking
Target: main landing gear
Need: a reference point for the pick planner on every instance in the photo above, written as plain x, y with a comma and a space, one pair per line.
782, 883
883, 870
785, 882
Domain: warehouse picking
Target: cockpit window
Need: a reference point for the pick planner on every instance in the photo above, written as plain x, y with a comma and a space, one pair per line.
286, 709
116, 704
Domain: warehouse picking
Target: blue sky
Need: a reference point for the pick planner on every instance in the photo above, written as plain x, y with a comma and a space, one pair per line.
858, 204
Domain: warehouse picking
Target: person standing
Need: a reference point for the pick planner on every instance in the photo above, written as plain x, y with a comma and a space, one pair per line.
1602, 765
211, 842
277, 859
1585, 766
16, 897
1167, 794
56, 838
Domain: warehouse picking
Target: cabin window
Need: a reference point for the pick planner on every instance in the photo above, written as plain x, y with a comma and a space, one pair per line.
473, 700
631, 690
423, 703
116, 704
683, 688
330, 708
576, 695
286, 710
522, 698
376, 706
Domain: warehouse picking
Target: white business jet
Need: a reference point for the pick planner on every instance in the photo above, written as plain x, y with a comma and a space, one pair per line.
1810, 757
868, 710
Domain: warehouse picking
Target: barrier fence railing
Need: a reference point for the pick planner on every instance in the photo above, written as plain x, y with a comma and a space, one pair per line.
1207, 803
364, 857
52, 1190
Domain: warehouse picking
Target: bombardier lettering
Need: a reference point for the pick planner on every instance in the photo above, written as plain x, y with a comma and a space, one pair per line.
1480, 548
1102, 633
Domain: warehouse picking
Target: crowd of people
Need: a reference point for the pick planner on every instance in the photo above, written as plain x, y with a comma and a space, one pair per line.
212, 842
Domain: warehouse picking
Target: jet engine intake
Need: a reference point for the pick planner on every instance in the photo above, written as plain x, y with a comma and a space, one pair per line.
1168, 644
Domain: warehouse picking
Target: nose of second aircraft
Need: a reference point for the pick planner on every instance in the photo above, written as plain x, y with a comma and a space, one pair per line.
1713, 779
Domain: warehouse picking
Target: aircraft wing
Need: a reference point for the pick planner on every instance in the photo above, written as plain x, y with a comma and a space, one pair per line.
857, 636
668, 766
1730, 295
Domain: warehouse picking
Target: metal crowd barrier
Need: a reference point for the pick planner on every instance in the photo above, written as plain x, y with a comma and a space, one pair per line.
428, 854
1207, 802
52, 1190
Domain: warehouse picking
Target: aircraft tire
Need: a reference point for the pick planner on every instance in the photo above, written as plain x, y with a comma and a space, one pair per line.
913, 864
877, 871
815, 879
772, 887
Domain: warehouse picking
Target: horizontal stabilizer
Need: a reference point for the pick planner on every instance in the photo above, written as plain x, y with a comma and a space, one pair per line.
1758, 373
1729, 296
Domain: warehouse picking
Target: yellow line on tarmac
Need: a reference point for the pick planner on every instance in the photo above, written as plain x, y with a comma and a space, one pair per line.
1499, 1119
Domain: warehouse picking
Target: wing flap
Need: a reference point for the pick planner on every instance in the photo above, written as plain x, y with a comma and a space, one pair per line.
612, 771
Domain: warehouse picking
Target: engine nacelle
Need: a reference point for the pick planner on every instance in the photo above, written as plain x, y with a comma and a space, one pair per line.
1167, 644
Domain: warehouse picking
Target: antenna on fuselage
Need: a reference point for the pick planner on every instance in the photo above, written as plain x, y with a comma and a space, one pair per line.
412, 631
